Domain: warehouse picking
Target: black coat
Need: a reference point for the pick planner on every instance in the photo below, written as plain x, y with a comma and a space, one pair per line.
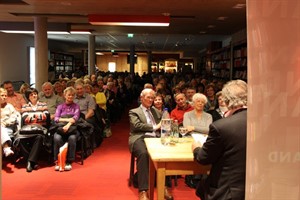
225, 150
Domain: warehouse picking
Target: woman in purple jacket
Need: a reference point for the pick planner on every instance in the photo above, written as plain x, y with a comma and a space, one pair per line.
66, 114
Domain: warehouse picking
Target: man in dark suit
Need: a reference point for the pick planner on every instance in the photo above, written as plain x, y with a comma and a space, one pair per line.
144, 122
225, 148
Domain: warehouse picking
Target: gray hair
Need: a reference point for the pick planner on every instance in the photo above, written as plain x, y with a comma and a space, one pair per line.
78, 83
199, 96
235, 94
46, 84
147, 91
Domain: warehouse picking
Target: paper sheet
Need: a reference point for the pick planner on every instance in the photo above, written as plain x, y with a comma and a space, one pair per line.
199, 138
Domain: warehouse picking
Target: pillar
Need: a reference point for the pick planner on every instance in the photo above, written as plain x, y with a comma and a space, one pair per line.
41, 51
91, 55
131, 58
149, 62
273, 128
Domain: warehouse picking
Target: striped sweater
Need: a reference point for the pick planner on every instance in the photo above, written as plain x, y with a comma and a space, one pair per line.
35, 114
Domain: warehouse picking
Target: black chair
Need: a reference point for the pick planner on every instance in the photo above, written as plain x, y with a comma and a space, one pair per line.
80, 141
131, 170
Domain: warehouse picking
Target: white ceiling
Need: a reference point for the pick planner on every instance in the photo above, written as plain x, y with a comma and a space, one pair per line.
189, 19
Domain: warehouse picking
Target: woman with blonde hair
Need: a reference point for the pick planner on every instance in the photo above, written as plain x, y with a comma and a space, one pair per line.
67, 114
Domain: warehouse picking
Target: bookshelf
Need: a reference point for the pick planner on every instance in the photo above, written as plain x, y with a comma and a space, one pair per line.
228, 62
239, 68
221, 63
63, 63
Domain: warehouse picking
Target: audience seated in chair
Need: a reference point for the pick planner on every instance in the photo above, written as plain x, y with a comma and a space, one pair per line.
66, 116
87, 106
182, 107
34, 115
13, 97
10, 119
48, 96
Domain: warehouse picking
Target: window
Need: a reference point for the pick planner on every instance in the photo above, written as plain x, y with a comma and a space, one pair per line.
112, 66
32, 66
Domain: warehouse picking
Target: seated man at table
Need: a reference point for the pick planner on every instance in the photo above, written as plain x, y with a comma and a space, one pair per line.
144, 122
182, 106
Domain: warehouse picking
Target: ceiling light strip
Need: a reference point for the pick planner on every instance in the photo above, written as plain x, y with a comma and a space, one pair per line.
129, 20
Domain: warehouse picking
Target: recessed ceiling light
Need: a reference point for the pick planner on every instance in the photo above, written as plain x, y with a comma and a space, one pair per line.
211, 26
65, 3
222, 18
239, 6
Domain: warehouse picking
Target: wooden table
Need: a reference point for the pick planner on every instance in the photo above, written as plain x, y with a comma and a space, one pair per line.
175, 159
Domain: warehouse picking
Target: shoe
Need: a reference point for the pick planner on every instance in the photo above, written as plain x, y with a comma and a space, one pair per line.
143, 195
168, 195
7, 151
29, 167
68, 167
56, 168
35, 166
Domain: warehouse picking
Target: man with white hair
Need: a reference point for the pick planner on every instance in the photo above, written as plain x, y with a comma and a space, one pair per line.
48, 96
144, 122
225, 148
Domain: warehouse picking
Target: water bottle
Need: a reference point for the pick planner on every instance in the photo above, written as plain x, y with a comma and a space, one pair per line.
165, 127
175, 131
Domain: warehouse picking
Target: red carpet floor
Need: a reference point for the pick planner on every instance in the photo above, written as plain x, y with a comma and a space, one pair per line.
104, 176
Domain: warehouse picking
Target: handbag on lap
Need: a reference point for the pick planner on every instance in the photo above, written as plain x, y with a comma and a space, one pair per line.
30, 129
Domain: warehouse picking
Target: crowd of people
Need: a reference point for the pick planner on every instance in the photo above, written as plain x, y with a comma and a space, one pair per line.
197, 106
196, 102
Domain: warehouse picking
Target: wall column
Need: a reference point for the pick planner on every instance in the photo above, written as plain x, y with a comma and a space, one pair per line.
41, 51
91, 55
131, 60
149, 62
273, 129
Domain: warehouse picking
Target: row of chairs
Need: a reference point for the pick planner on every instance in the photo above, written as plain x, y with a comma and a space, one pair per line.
81, 150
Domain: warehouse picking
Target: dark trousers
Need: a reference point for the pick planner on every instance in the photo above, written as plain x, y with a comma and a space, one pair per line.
31, 147
142, 164
60, 140
97, 133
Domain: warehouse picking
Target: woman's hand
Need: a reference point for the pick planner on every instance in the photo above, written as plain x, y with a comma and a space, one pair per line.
66, 127
71, 120
190, 128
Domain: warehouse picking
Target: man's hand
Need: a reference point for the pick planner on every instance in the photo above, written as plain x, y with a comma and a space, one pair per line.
157, 126
195, 145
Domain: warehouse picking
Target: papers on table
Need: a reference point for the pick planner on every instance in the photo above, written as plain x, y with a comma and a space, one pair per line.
199, 138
